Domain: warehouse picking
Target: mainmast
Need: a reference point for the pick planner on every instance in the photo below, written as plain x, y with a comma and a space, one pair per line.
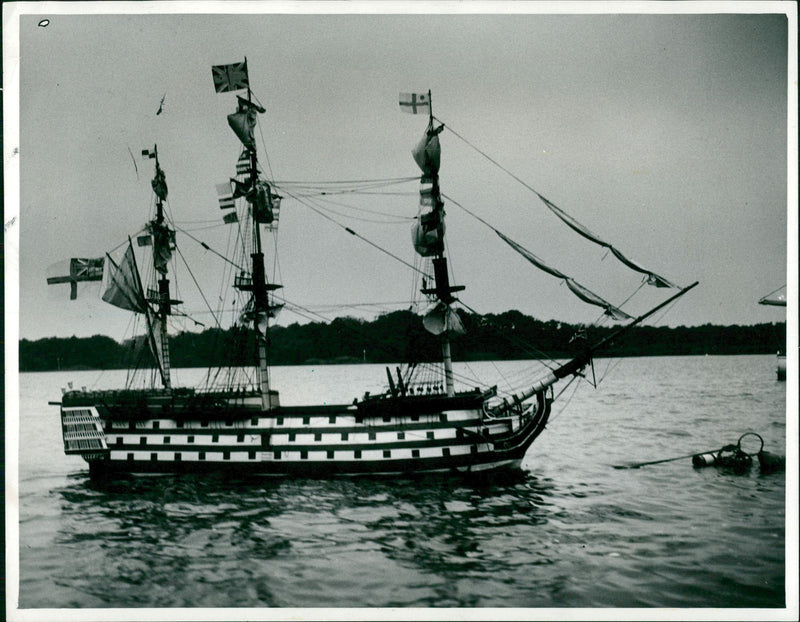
259, 194
428, 236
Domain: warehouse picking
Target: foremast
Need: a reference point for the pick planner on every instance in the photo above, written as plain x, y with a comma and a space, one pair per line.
162, 241
428, 238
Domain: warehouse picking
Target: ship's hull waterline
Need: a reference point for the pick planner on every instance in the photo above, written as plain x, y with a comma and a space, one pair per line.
391, 436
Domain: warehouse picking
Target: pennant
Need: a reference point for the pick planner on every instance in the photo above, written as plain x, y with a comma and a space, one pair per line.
230, 77
414, 103
79, 270
144, 240
230, 218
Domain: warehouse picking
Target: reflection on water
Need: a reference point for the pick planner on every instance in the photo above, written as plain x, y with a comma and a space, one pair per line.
135, 534
567, 530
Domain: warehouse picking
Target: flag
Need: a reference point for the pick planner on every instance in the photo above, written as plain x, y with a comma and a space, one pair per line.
243, 165
230, 217
243, 124
123, 288
240, 188
79, 270
144, 240
230, 77
414, 103
147, 154
225, 196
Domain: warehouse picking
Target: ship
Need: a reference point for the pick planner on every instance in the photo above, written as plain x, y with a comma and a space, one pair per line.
234, 422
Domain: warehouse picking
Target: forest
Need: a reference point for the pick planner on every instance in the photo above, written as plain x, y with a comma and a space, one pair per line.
400, 337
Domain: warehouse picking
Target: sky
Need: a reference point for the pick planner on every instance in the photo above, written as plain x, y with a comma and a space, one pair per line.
664, 134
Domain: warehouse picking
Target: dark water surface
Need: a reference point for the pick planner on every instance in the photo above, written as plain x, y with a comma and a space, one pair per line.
568, 530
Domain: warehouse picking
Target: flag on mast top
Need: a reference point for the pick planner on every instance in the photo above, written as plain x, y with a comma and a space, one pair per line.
415, 103
230, 77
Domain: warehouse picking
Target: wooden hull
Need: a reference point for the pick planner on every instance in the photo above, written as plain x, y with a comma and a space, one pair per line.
220, 433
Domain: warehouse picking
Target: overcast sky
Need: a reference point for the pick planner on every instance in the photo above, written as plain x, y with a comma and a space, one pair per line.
664, 134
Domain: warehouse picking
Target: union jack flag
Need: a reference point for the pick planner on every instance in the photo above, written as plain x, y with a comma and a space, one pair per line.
230, 77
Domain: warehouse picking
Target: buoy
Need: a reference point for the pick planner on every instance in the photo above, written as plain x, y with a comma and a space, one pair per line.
730, 457
769, 463
701, 460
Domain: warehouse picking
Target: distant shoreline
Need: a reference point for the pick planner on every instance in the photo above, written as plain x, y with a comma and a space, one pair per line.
399, 336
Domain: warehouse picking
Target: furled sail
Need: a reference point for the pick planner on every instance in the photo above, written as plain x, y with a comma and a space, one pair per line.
427, 152
159, 183
427, 234
652, 277
163, 245
442, 318
576, 288
124, 289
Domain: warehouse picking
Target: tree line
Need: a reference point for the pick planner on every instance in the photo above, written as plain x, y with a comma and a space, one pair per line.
399, 337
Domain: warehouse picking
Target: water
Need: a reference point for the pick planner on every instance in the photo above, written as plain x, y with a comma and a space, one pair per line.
568, 530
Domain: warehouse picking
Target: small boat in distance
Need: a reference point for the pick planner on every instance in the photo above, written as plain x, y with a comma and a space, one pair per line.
235, 421
778, 300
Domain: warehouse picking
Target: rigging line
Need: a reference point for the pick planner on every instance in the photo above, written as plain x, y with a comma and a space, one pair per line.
358, 209
492, 160
397, 220
202, 295
532, 349
773, 292
216, 225
208, 248
569, 399
569, 220
391, 180
358, 235
264, 145
335, 188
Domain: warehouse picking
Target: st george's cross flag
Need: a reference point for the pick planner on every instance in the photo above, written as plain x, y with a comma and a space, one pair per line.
230, 77
414, 103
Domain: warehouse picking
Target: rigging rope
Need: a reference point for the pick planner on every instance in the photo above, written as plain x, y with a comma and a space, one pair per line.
358, 235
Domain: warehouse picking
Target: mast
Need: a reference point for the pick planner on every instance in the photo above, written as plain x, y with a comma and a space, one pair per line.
260, 303
442, 289
260, 285
263, 206
162, 250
